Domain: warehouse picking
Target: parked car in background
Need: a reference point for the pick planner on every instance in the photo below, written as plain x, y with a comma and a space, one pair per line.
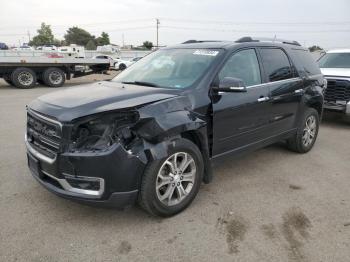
151, 134
335, 66
123, 64
24, 48
112, 60
3, 46
47, 48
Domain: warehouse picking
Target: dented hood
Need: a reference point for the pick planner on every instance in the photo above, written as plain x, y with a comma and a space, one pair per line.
75, 102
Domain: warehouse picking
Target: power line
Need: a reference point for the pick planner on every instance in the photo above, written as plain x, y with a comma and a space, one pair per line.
281, 23
87, 24
254, 31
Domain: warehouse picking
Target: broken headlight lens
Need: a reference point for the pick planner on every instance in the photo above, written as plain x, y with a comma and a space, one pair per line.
101, 132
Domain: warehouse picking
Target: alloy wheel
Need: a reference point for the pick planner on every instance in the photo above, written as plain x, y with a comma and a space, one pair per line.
176, 178
309, 132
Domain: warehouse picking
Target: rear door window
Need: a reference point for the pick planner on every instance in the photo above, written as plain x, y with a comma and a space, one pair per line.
276, 64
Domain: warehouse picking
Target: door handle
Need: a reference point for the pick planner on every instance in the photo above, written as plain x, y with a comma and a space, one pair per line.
299, 91
263, 99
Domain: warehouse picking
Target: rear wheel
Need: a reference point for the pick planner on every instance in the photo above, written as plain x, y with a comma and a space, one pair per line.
122, 67
307, 132
169, 185
54, 77
23, 78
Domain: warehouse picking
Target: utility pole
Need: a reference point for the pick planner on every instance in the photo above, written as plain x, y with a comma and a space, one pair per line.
157, 23
28, 36
123, 40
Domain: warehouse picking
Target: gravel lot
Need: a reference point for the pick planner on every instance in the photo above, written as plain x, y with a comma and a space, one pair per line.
272, 205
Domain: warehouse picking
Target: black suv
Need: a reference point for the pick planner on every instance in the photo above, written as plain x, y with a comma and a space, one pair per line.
150, 135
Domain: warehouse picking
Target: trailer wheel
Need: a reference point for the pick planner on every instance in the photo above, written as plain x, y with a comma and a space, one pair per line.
23, 78
54, 77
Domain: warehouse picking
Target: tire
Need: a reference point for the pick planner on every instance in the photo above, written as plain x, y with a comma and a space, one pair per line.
305, 138
54, 77
122, 67
150, 197
23, 78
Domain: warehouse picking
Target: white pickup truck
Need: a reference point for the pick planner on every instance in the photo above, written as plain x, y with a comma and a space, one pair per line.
335, 66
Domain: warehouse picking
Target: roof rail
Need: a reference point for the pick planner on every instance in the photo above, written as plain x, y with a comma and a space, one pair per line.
199, 41
266, 39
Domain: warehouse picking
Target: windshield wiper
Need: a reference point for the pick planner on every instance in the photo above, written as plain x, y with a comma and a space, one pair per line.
141, 83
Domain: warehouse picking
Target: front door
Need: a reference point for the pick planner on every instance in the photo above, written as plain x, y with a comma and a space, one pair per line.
240, 119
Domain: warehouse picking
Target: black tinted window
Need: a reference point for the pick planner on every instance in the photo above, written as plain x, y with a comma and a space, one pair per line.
243, 65
276, 64
306, 62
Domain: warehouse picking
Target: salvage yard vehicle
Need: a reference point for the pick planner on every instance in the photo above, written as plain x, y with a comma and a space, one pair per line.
152, 133
26, 71
335, 65
124, 64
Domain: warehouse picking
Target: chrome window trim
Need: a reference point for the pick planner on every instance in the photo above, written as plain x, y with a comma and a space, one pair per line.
278, 82
266, 84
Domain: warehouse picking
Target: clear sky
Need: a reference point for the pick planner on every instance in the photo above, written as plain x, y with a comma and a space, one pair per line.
321, 22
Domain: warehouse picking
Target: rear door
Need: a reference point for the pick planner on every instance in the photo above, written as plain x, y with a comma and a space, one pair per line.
286, 89
240, 119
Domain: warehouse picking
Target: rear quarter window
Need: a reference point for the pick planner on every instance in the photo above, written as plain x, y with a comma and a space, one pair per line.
306, 64
276, 64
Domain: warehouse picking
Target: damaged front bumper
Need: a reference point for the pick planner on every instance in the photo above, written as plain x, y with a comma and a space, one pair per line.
108, 178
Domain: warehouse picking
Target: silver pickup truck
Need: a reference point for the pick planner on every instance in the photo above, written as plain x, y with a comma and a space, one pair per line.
335, 66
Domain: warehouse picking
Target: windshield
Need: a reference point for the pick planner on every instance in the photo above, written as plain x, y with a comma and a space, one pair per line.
335, 60
172, 68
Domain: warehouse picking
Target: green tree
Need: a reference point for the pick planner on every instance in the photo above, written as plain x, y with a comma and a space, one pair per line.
44, 37
315, 48
148, 45
79, 36
103, 39
91, 45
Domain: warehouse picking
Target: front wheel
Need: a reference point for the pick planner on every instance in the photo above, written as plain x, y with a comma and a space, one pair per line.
169, 185
23, 78
307, 132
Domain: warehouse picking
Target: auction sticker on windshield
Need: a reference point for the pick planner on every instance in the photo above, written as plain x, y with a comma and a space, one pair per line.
206, 52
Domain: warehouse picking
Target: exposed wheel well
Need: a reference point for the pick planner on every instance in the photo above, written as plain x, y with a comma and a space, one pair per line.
318, 107
195, 138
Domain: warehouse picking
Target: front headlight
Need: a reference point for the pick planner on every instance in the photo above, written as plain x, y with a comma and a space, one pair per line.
102, 131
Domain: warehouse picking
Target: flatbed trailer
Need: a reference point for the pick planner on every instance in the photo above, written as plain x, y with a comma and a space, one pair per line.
25, 71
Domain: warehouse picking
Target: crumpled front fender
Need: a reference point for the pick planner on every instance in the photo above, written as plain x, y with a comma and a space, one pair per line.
160, 123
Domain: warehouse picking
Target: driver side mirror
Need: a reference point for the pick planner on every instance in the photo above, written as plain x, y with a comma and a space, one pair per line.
231, 85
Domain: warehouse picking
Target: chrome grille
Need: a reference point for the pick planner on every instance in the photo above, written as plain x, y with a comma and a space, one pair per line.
337, 90
43, 134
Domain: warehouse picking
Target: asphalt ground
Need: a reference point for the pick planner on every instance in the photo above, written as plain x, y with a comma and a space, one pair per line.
271, 205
